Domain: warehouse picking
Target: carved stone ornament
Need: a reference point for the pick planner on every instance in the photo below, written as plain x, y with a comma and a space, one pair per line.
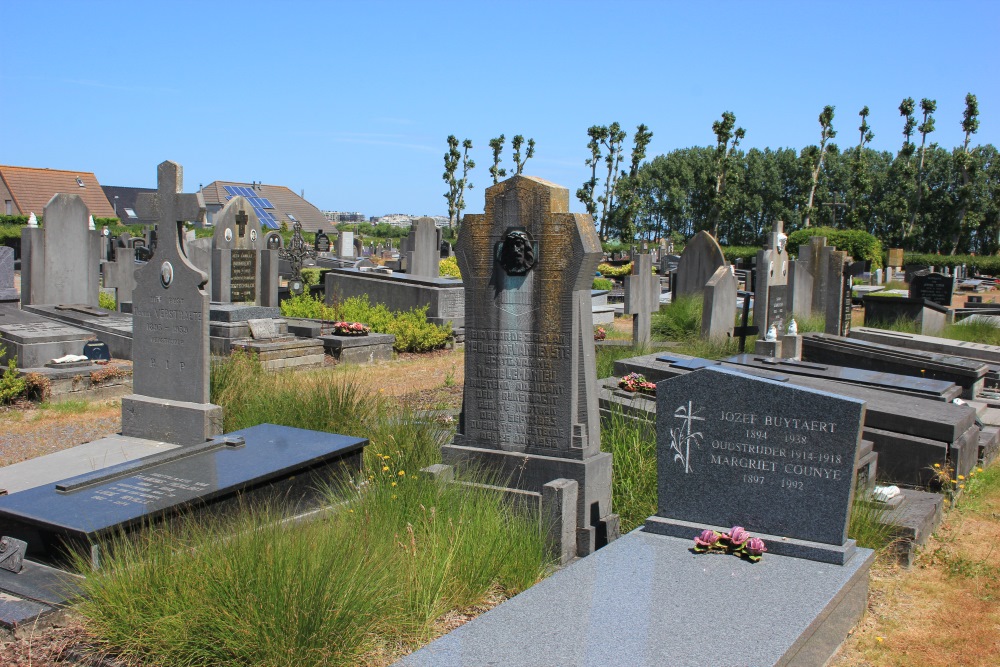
516, 252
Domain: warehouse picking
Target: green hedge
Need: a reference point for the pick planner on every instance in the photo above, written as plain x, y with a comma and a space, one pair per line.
744, 252
988, 264
609, 271
603, 284
858, 244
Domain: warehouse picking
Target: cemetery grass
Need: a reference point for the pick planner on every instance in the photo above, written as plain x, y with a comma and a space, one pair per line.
945, 610
252, 590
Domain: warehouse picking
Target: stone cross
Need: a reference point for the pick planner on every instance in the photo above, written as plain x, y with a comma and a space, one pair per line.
241, 220
642, 296
169, 205
770, 305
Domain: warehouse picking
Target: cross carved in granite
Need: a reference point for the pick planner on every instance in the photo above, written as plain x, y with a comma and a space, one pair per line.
241, 220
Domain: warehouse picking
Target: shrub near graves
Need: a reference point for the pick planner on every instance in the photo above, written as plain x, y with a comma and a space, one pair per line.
680, 320
449, 267
860, 245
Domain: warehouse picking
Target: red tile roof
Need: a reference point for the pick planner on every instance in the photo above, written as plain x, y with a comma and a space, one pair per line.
32, 188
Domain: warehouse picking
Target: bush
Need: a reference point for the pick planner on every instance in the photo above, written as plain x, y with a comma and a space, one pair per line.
986, 264
449, 268
308, 307
107, 301
735, 252
680, 320
12, 385
603, 284
312, 276
615, 271
860, 245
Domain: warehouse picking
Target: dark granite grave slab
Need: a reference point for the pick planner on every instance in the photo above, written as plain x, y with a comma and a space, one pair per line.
444, 297
939, 390
647, 601
274, 463
240, 312
775, 458
919, 342
827, 349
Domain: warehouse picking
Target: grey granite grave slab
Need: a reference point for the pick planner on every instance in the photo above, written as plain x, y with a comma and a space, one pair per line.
277, 463
110, 327
120, 275
779, 460
33, 340
642, 297
719, 305
770, 302
359, 349
423, 248
529, 412
444, 297
647, 601
85, 458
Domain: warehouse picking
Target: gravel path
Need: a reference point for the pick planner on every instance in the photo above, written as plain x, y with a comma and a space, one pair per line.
40, 432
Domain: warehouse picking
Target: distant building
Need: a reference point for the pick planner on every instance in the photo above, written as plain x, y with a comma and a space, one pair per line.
337, 217
122, 199
26, 190
274, 204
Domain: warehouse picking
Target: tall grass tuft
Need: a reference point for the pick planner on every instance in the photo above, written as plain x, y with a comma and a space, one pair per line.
812, 322
973, 331
632, 443
871, 523
371, 577
608, 355
680, 320
714, 349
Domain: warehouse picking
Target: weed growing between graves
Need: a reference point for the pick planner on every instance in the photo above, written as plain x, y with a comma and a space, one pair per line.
607, 355
807, 323
973, 331
870, 524
107, 301
370, 578
632, 443
714, 349
680, 320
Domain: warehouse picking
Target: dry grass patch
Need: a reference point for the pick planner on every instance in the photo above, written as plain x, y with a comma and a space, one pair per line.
26, 434
945, 611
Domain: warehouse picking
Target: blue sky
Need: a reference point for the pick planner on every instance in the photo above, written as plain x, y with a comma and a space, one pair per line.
352, 102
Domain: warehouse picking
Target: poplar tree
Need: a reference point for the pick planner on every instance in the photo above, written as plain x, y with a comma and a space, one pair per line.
455, 195
826, 133
496, 172
724, 151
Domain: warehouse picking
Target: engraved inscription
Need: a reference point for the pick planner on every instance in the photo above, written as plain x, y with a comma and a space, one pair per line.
147, 488
243, 276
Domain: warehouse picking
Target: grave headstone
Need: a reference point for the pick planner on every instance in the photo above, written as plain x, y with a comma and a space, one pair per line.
719, 310
896, 258
359, 247
818, 262
423, 248
275, 241
242, 270
345, 244
529, 413
170, 348
779, 461
297, 253
8, 292
934, 287
446, 250
60, 260
701, 258
835, 278
770, 301
322, 242
642, 297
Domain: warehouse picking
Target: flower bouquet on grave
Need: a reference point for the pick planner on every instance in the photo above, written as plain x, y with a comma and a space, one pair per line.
737, 542
600, 333
637, 382
350, 329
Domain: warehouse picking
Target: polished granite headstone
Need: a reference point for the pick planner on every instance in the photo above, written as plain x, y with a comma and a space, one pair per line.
274, 463
702, 256
932, 286
779, 460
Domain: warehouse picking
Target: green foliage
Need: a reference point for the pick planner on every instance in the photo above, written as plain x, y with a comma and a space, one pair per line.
985, 264
107, 301
252, 590
12, 385
449, 267
312, 276
632, 443
860, 245
679, 321
735, 252
607, 355
603, 284
871, 523
13, 219
9, 232
412, 330
609, 271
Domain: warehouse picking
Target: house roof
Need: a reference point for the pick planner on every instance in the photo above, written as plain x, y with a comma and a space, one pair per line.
126, 198
285, 202
32, 188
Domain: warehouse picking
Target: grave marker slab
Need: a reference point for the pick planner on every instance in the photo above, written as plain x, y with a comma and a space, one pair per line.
935, 287
642, 297
701, 258
779, 461
423, 249
530, 411
61, 259
719, 309
170, 331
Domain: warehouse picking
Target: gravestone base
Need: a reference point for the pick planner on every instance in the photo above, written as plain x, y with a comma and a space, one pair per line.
32, 340
108, 326
177, 422
649, 601
779, 546
359, 349
291, 352
596, 526
767, 348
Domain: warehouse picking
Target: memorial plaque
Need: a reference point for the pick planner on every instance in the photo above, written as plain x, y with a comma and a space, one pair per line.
935, 287
777, 307
739, 450
83, 510
848, 298
895, 257
322, 243
243, 276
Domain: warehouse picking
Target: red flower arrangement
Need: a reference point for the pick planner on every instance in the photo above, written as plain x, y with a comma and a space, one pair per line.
350, 329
